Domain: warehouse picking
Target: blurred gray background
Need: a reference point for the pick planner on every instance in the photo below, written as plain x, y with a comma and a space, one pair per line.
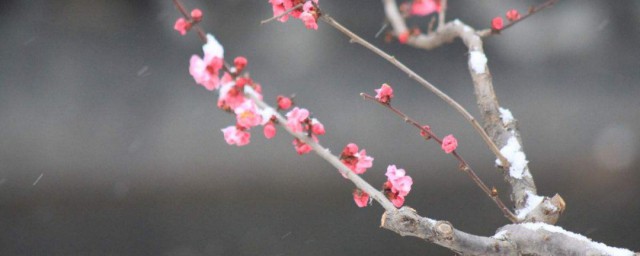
97, 108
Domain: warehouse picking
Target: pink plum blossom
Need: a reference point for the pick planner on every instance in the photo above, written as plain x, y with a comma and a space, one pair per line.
301, 147
269, 130
497, 23
361, 198
240, 62
398, 185
396, 199
393, 172
247, 114
309, 20
384, 94
182, 26
235, 136
295, 117
196, 15
230, 97
356, 162
205, 72
316, 127
513, 15
424, 7
279, 7
449, 144
364, 162
284, 102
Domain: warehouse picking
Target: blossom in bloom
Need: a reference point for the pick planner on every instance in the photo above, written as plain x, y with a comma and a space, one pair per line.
205, 71
361, 198
196, 15
364, 162
513, 15
279, 7
316, 127
230, 96
309, 15
296, 117
247, 114
401, 183
284, 103
396, 199
269, 130
240, 62
397, 186
424, 7
309, 20
384, 94
236, 136
497, 23
449, 144
403, 38
393, 172
182, 26
356, 162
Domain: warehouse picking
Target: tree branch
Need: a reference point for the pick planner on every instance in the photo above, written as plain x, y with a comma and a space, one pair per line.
413, 75
464, 166
325, 153
501, 130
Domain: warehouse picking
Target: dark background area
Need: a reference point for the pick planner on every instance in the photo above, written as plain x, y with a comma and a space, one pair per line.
97, 108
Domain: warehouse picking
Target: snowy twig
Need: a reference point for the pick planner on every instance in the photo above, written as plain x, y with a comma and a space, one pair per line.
464, 166
522, 183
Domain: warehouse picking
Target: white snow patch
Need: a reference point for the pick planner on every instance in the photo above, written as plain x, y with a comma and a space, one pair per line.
506, 116
518, 160
502, 235
533, 200
213, 47
477, 62
596, 245
266, 114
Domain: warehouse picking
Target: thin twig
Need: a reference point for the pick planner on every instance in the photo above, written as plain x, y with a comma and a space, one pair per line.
464, 166
355, 38
324, 153
442, 13
282, 14
533, 10
186, 15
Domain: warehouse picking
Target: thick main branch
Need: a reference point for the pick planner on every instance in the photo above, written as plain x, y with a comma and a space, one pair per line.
502, 131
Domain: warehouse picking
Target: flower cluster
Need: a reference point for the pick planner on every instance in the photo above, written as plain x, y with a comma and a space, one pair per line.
497, 23
206, 71
358, 162
307, 13
298, 120
183, 25
397, 186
